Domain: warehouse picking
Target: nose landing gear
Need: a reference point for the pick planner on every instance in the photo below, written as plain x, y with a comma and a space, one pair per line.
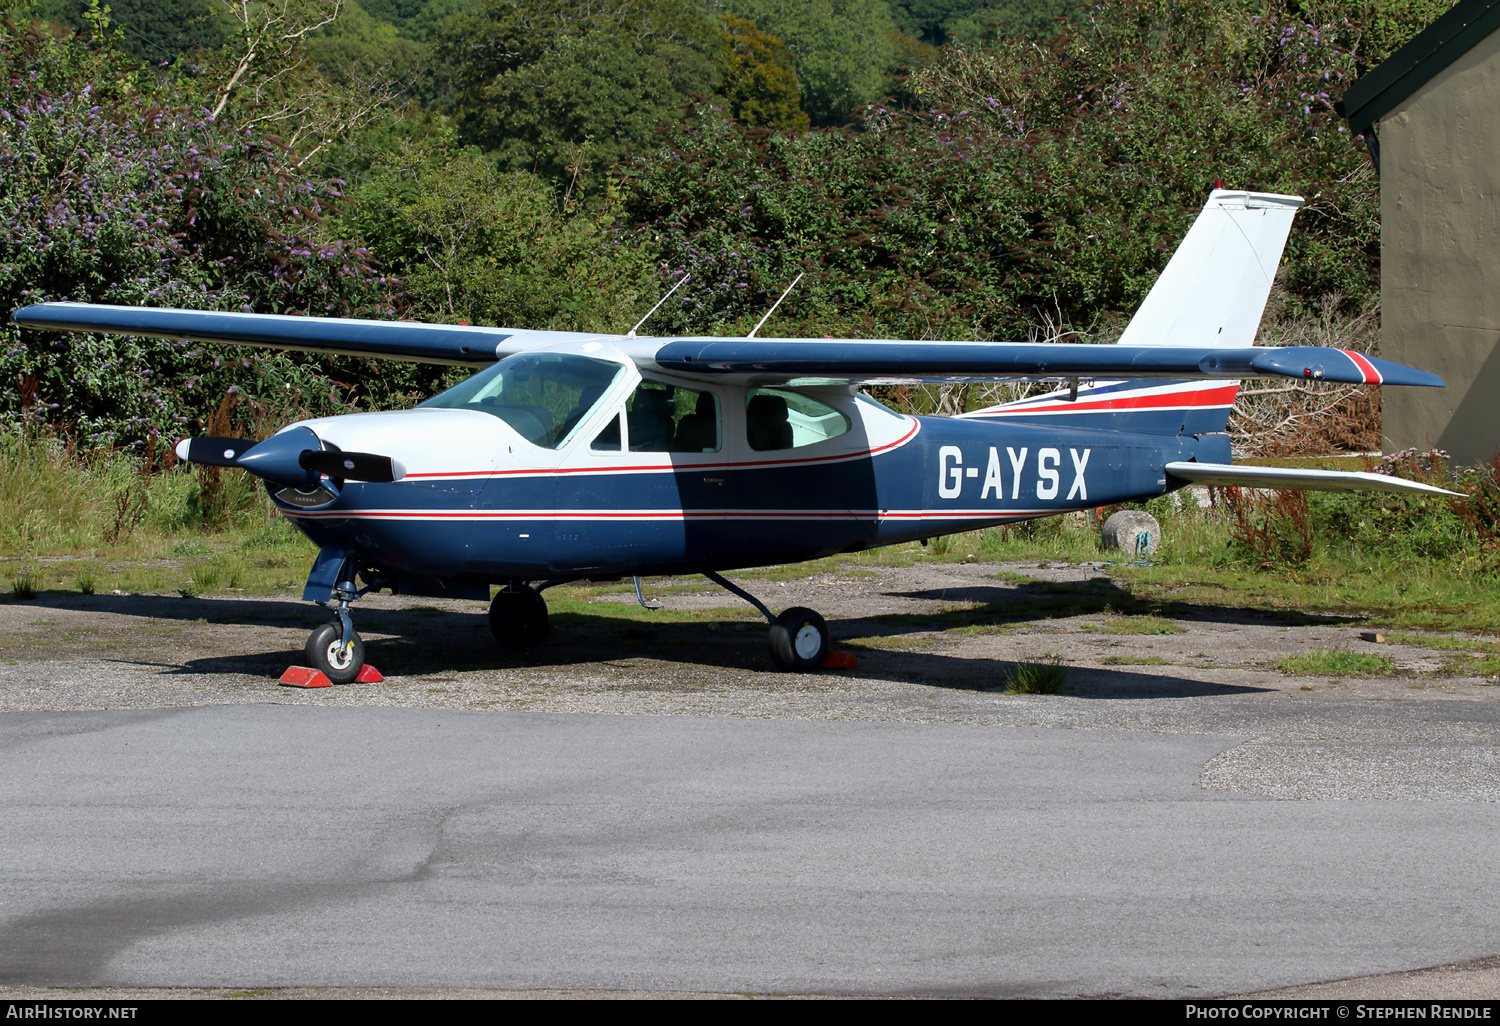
335, 649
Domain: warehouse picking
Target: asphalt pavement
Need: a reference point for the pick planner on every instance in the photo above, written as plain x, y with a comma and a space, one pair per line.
292, 846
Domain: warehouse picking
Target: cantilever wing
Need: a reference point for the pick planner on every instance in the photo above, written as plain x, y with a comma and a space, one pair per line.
752, 360
395, 340
764, 361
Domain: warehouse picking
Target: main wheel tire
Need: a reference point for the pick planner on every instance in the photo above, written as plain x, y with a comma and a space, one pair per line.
518, 619
326, 652
799, 640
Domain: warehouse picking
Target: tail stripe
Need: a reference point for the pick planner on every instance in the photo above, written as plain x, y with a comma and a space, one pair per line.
1191, 398
1368, 369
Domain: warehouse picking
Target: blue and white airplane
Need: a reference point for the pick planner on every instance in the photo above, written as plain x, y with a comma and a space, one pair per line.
572, 456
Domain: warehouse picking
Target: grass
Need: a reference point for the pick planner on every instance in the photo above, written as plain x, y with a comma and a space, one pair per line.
1335, 662
1136, 625
1135, 661
1044, 675
1444, 644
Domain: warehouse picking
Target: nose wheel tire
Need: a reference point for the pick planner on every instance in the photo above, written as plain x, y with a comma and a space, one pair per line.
518, 618
326, 652
799, 640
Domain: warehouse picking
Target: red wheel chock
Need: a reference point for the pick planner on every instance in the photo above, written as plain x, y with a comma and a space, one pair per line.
840, 661
307, 677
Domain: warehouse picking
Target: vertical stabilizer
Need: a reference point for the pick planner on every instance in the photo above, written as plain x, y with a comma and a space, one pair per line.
1217, 283
1212, 294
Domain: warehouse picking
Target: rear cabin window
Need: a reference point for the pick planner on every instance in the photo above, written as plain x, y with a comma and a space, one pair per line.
778, 419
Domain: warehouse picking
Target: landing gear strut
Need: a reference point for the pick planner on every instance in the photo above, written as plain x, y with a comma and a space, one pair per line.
799, 637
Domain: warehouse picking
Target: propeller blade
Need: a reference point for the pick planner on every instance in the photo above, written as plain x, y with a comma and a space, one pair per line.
353, 466
213, 452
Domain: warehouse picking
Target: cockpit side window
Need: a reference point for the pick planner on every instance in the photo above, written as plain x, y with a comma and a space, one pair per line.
779, 419
668, 418
543, 396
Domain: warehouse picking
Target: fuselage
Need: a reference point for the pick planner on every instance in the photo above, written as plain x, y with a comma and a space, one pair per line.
496, 491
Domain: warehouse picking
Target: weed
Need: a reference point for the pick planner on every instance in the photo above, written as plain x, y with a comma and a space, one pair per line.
1271, 530
26, 583
1337, 662
87, 585
205, 578
130, 506
1044, 675
941, 545
1135, 661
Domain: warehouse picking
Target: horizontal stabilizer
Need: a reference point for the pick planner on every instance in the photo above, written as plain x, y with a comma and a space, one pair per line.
1298, 479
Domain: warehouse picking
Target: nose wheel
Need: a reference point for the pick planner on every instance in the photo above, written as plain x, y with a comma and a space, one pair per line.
338, 660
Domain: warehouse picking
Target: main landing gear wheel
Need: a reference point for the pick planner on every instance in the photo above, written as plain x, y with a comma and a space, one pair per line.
327, 652
518, 617
799, 640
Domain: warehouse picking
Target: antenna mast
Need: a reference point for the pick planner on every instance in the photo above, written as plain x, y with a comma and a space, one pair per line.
685, 279
774, 305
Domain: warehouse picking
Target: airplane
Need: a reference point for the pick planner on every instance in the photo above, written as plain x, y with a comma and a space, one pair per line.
570, 456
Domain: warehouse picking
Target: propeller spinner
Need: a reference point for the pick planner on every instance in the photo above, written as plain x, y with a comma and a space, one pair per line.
296, 457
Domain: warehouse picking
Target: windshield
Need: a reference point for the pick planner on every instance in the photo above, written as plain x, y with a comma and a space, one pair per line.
544, 396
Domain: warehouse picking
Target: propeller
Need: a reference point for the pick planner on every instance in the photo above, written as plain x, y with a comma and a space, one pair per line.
214, 452
352, 466
296, 457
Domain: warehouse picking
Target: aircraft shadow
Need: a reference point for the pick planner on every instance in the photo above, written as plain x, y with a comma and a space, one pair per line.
1101, 596
422, 641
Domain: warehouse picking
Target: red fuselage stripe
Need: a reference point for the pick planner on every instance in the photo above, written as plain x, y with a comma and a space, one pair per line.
689, 467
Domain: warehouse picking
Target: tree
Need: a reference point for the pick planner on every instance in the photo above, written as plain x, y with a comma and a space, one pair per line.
841, 49
474, 244
1032, 19
928, 20
560, 86
157, 31
759, 83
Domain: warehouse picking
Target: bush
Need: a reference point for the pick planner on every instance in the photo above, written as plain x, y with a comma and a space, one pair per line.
114, 189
